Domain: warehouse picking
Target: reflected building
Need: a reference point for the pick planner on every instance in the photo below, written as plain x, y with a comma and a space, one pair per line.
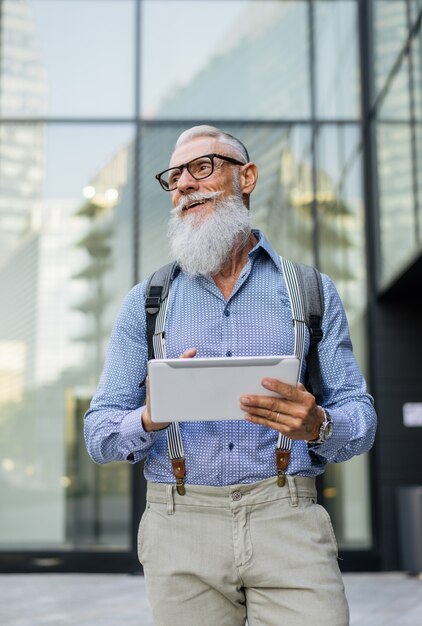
23, 91
107, 211
236, 73
397, 175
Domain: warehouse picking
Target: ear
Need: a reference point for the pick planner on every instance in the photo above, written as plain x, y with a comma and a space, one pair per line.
248, 178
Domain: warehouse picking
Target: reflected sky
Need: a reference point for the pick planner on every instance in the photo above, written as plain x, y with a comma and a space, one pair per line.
87, 49
189, 33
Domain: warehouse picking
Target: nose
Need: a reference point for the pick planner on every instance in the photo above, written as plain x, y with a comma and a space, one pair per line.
186, 182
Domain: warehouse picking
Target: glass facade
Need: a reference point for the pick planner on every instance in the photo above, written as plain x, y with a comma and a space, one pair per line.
93, 95
397, 114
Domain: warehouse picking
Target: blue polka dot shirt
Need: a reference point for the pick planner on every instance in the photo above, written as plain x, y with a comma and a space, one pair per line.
256, 320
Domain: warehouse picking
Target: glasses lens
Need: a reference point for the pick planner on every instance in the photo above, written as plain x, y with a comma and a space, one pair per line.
169, 179
201, 167
198, 168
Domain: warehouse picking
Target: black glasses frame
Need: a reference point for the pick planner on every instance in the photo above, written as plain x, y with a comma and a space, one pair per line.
181, 167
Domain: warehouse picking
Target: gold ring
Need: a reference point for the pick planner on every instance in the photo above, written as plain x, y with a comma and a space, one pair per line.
277, 418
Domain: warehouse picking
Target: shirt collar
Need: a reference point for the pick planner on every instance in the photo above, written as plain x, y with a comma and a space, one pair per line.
264, 244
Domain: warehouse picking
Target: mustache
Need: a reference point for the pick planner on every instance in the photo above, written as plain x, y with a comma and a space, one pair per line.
193, 197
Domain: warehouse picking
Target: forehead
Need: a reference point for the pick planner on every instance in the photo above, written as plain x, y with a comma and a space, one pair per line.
197, 147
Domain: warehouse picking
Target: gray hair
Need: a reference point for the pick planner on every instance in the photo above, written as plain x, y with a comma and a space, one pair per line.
211, 131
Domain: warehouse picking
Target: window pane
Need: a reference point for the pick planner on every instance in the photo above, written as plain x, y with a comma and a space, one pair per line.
66, 221
252, 64
67, 58
390, 32
282, 201
395, 105
341, 213
342, 254
397, 220
416, 49
417, 78
280, 204
418, 136
337, 60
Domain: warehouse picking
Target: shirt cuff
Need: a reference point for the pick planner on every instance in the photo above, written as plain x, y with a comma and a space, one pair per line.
341, 435
134, 437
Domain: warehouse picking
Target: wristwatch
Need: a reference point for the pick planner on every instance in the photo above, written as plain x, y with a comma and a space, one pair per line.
326, 429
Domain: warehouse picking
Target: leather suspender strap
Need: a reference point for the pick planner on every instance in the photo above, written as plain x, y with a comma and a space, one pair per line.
179, 471
282, 460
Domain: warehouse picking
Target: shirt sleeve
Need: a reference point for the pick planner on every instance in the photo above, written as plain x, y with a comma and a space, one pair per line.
344, 387
113, 426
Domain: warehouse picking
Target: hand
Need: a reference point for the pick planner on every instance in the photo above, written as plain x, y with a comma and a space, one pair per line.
293, 411
147, 423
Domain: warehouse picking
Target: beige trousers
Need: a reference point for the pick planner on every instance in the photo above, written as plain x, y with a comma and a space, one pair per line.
219, 556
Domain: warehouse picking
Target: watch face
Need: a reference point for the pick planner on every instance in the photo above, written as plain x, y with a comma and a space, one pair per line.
326, 429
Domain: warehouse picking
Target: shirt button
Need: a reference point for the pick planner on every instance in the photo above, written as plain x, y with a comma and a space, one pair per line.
227, 313
236, 496
228, 353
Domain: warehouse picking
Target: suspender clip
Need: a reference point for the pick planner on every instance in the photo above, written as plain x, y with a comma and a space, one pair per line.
281, 478
180, 486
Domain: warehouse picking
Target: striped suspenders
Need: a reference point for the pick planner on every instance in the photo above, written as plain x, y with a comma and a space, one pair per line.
284, 444
157, 304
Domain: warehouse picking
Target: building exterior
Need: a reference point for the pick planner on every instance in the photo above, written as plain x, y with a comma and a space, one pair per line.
327, 95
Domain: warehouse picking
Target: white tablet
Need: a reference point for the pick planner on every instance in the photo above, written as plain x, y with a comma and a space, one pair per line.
210, 389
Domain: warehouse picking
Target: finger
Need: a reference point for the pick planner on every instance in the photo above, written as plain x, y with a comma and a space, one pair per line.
278, 417
259, 410
284, 389
284, 425
188, 354
269, 403
256, 419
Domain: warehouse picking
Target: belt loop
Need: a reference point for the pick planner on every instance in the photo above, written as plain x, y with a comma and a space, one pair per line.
293, 490
170, 500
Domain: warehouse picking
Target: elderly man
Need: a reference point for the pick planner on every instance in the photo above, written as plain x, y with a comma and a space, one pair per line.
236, 545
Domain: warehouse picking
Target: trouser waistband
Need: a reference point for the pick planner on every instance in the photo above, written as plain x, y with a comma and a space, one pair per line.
232, 495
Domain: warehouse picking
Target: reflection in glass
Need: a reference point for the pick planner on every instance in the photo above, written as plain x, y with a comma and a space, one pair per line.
397, 223
418, 138
415, 9
396, 103
390, 33
280, 205
337, 60
72, 58
252, 64
416, 51
341, 213
64, 267
23, 75
342, 255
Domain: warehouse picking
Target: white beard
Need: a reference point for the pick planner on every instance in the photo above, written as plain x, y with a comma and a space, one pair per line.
203, 243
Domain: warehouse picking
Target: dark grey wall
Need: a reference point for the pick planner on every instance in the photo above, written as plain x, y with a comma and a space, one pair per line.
396, 379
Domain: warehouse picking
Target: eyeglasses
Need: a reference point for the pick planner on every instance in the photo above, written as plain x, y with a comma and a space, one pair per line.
198, 168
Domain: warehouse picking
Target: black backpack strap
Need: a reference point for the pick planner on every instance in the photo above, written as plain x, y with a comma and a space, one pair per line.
156, 291
313, 301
